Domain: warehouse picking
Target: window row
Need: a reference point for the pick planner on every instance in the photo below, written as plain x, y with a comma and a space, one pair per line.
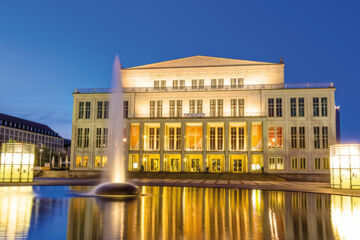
297, 107
83, 137
298, 163
102, 110
196, 107
27, 128
199, 83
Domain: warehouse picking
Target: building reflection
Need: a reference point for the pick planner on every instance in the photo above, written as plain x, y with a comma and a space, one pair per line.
15, 211
204, 213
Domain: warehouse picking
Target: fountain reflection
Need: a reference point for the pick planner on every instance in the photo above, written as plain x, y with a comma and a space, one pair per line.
15, 211
204, 213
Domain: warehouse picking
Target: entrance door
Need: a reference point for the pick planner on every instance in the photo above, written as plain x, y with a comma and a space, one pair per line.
215, 165
175, 165
195, 165
154, 164
237, 165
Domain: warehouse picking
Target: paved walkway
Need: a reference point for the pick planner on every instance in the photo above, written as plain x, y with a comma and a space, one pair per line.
292, 186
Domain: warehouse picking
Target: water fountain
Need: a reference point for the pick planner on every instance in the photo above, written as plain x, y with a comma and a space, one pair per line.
116, 185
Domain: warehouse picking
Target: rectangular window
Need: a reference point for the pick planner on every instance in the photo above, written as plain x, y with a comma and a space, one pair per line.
175, 84
271, 163
302, 164
325, 137
182, 84
213, 83
156, 84
134, 136
163, 84
233, 107
233, 82
241, 107
201, 83
220, 138
199, 106
280, 163
98, 137
216, 135
237, 138
194, 84
172, 108
271, 107
324, 111
302, 137
99, 110
233, 138
105, 137
317, 163
301, 103
194, 138
275, 137
154, 137
279, 107
279, 137
87, 110
159, 108
315, 107
220, 108
212, 107
316, 137
171, 138
152, 109
256, 136
106, 109
212, 138
192, 106
293, 107
86, 138
174, 138
126, 109
79, 137
293, 137
220, 83
178, 138
178, 108
294, 163
81, 110
326, 164
271, 143
240, 82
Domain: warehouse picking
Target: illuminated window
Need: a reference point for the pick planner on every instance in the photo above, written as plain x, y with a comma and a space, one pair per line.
316, 137
237, 138
182, 84
324, 107
100, 161
301, 107
256, 163
154, 164
134, 162
280, 163
215, 163
173, 137
325, 137
85, 161
216, 138
81, 110
279, 137
154, 138
78, 161
134, 136
315, 106
326, 164
256, 136
172, 162
87, 110
271, 139
193, 163
194, 137
237, 163
272, 163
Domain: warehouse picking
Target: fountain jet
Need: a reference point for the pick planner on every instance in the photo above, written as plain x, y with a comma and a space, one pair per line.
117, 185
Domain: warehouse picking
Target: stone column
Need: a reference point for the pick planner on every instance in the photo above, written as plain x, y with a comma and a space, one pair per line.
204, 145
226, 147
162, 138
248, 144
141, 145
183, 146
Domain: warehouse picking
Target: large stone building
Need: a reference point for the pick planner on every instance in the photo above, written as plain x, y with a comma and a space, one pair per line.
201, 113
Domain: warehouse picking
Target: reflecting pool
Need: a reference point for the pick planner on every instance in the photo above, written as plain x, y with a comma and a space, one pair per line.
55, 212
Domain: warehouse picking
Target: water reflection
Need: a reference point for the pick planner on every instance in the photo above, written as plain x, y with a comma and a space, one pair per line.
177, 213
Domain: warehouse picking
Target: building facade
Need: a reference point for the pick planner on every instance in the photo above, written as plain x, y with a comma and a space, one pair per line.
22, 130
200, 114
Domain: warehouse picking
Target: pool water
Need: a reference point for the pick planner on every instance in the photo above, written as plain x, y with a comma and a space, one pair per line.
58, 212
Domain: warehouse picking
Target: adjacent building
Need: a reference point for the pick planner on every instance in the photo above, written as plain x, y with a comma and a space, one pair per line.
208, 114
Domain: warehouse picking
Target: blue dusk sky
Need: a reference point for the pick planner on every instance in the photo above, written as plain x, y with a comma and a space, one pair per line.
49, 48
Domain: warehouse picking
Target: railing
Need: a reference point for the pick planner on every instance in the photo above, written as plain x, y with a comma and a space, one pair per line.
210, 88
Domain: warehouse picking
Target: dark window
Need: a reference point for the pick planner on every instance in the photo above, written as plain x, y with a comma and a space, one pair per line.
271, 107
293, 107
126, 109
315, 107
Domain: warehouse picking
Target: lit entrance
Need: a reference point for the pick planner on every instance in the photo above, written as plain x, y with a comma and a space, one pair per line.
238, 163
194, 163
172, 162
215, 163
152, 162
256, 163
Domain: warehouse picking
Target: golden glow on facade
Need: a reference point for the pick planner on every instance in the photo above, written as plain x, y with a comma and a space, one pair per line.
17, 162
345, 166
